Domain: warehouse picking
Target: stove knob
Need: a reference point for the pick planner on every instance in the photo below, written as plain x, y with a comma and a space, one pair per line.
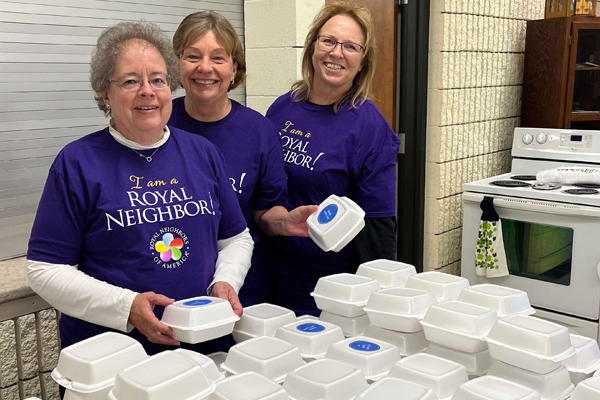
527, 138
541, 138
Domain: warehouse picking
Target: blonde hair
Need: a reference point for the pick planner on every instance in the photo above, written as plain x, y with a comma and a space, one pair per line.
196, 25
362, 84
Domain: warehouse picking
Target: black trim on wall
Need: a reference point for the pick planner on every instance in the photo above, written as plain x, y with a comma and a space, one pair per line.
414, 49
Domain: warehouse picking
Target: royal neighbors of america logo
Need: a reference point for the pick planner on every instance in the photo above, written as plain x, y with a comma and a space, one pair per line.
169, 247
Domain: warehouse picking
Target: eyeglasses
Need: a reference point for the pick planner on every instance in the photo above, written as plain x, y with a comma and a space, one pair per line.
327, 43
157, 81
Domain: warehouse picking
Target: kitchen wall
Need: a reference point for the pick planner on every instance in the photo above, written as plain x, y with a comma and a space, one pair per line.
475, 79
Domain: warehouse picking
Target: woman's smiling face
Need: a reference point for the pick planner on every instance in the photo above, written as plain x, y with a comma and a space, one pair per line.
207, 70
336, 69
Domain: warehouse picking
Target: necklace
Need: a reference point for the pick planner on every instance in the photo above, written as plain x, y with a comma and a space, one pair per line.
148, 158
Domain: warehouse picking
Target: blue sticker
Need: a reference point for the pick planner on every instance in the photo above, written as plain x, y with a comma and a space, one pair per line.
194, 303
362, 345
310, 327
328, 214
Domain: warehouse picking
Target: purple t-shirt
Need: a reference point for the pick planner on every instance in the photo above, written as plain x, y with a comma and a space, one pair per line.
137, 225
350, 153
250, 145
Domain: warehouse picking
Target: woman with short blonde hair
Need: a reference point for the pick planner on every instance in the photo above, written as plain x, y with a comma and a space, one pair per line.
335, 141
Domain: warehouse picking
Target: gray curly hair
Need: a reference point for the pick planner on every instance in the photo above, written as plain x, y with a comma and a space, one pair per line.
110, 46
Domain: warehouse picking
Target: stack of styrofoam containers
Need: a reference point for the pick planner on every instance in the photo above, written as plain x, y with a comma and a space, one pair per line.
493, 388
442, 376
504, 301
395, 315
261, 320
87, 369
586, 359
530, 351
342, 299
312, 337
388, 322
167, 375
588, 389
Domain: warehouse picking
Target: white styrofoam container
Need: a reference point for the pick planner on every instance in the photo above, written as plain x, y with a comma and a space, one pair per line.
554, 385
493, 388
389, 388
325, 379
344, 294
218, 358
248, 386
587, 390
530, 343
337, 221
166, 375
261, 320
586, 359
399, 309
312, 337
206, 363
99, 395
350, 326
387, 272
444, 286
408, 343
306, 316
458, 325
435, 373
504, 300
477, 364
92, 364
266, 355
200, 319
373, 356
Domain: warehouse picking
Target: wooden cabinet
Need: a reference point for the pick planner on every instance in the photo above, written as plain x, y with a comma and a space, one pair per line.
561, 83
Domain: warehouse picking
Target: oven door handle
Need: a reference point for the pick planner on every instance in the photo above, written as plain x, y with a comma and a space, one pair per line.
535, 205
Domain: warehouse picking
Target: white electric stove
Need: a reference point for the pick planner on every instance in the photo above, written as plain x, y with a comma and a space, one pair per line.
551, 231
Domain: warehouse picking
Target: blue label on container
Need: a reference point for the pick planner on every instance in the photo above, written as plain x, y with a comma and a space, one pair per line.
362, 345
310, 327
195, 303
328, 214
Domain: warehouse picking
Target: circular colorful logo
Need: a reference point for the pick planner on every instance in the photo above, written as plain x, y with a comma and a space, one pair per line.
310, 327
169, 248
362, 345
196, 303
328, 214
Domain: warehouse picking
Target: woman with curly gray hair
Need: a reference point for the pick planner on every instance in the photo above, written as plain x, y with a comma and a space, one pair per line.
137, 214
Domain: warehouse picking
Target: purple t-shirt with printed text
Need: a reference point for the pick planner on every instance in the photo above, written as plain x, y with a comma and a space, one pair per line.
350, 153
145, 226
252, 152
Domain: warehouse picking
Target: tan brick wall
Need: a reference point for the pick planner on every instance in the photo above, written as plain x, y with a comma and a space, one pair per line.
475, 82
29, 349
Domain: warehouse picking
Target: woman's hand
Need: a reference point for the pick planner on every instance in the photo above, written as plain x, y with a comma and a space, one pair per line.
279, 222
142, 317
224, 290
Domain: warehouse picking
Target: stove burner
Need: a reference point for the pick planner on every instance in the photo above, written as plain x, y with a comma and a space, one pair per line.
510, 183
587, 185
581, 191
524, 177
546, 186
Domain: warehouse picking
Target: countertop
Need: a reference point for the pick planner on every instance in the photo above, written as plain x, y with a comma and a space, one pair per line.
13, 280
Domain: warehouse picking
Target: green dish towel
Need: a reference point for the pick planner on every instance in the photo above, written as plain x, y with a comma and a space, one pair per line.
490, 260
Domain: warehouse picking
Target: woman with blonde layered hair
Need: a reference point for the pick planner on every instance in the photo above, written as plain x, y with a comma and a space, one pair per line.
335, 141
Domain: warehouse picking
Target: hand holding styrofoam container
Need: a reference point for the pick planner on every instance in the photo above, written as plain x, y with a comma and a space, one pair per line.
530, 343
586, 359
344, 294
200, 319
399, 309
504, 300
493, 388
460, 326
387, 272
444, 286
337, 221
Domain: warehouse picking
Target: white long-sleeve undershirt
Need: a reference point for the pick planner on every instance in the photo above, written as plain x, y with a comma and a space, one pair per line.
79, 295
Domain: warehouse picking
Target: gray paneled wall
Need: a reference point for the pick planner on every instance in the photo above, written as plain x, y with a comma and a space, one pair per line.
45, 97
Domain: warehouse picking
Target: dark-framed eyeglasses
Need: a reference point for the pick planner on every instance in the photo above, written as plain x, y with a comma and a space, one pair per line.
156, 81
327, 43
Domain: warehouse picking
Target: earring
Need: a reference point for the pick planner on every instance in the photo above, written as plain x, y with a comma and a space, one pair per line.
232, 82
108, 106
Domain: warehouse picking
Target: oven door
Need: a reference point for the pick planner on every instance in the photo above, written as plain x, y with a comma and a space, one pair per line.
552, 251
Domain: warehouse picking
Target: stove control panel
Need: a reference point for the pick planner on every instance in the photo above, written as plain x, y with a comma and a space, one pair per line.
581, 140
